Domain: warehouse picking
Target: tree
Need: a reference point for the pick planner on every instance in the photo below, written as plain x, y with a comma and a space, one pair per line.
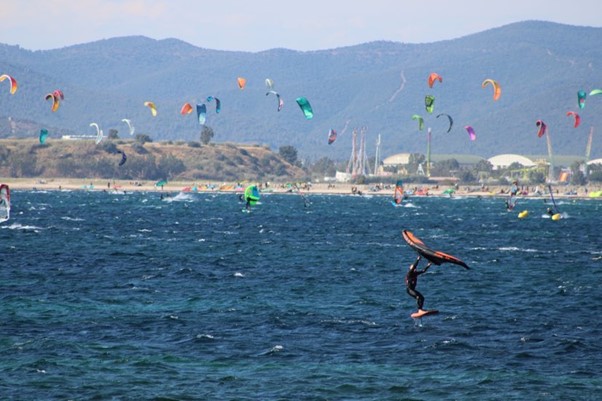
109, 147
113, 134
288, 153
24, 165
484, 166
414, 161
170, 166
445, 167
324, 167
143, 138
206, 135
466, 176
536, 177
578, 178
4, 154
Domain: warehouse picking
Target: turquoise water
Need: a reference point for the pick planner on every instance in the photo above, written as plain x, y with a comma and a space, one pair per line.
128, 297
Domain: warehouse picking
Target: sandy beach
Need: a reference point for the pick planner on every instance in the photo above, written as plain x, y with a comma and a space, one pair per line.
57, 184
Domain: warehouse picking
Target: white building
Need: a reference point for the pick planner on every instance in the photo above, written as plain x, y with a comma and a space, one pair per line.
505, 160
595, 161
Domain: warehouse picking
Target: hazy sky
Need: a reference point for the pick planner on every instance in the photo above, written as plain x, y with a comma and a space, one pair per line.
255, 25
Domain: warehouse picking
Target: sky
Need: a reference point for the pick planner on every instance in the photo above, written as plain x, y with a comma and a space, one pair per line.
256, 25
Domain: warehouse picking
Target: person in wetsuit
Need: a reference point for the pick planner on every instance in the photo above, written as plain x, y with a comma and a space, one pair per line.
247, 201
412, 280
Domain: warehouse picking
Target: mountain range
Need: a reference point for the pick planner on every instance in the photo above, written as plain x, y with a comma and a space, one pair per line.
375, 86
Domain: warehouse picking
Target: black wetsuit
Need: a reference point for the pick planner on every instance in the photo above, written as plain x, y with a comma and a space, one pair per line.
411, 281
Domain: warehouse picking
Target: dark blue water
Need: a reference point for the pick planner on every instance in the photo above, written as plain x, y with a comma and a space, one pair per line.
127, 297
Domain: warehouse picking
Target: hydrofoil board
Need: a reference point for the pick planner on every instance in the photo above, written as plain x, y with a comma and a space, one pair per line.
419, 314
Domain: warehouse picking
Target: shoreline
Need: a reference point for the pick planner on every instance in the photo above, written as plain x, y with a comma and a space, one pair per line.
57, 184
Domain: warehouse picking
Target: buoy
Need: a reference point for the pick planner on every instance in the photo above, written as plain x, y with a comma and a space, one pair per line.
557, 216
523, 214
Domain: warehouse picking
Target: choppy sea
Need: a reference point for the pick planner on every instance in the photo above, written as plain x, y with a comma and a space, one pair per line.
109, 296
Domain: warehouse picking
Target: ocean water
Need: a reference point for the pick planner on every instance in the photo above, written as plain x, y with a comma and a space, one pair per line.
129, 297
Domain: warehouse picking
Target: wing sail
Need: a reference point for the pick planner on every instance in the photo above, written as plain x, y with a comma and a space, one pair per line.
437, 257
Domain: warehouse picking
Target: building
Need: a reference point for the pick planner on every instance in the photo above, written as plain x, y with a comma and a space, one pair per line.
504, 161
595, 161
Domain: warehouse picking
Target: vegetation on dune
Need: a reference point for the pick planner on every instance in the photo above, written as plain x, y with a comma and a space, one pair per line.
145, 160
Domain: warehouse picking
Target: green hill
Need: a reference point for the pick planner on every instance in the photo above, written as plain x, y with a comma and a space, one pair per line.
150, 161
379, 85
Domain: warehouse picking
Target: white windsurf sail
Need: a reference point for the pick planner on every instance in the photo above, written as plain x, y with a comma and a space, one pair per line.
4, 202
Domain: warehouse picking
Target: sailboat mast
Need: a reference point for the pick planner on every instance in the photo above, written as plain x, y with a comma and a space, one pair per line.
428, 152
377, 155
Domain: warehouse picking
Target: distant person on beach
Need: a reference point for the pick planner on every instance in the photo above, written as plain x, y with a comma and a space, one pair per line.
412, 280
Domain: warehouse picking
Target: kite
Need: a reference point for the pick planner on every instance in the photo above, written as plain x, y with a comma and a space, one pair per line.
186, 109
59, 94
241, 83
218, 104
581, 95
201, 113
429, 103
123, 158
332, 136
305, 107
434, 77
43, 135
497, 89
433, 256
280, 101
451, 122
55, 101
99, 134
130, 126
576, 116
269, 84
420, 121
542, 127
13, 82
592, 93
152, 108
471, 134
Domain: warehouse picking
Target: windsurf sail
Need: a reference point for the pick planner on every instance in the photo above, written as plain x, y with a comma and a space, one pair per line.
511, 202
4, 202
513, 198
306, 201
436, 257
398, 194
